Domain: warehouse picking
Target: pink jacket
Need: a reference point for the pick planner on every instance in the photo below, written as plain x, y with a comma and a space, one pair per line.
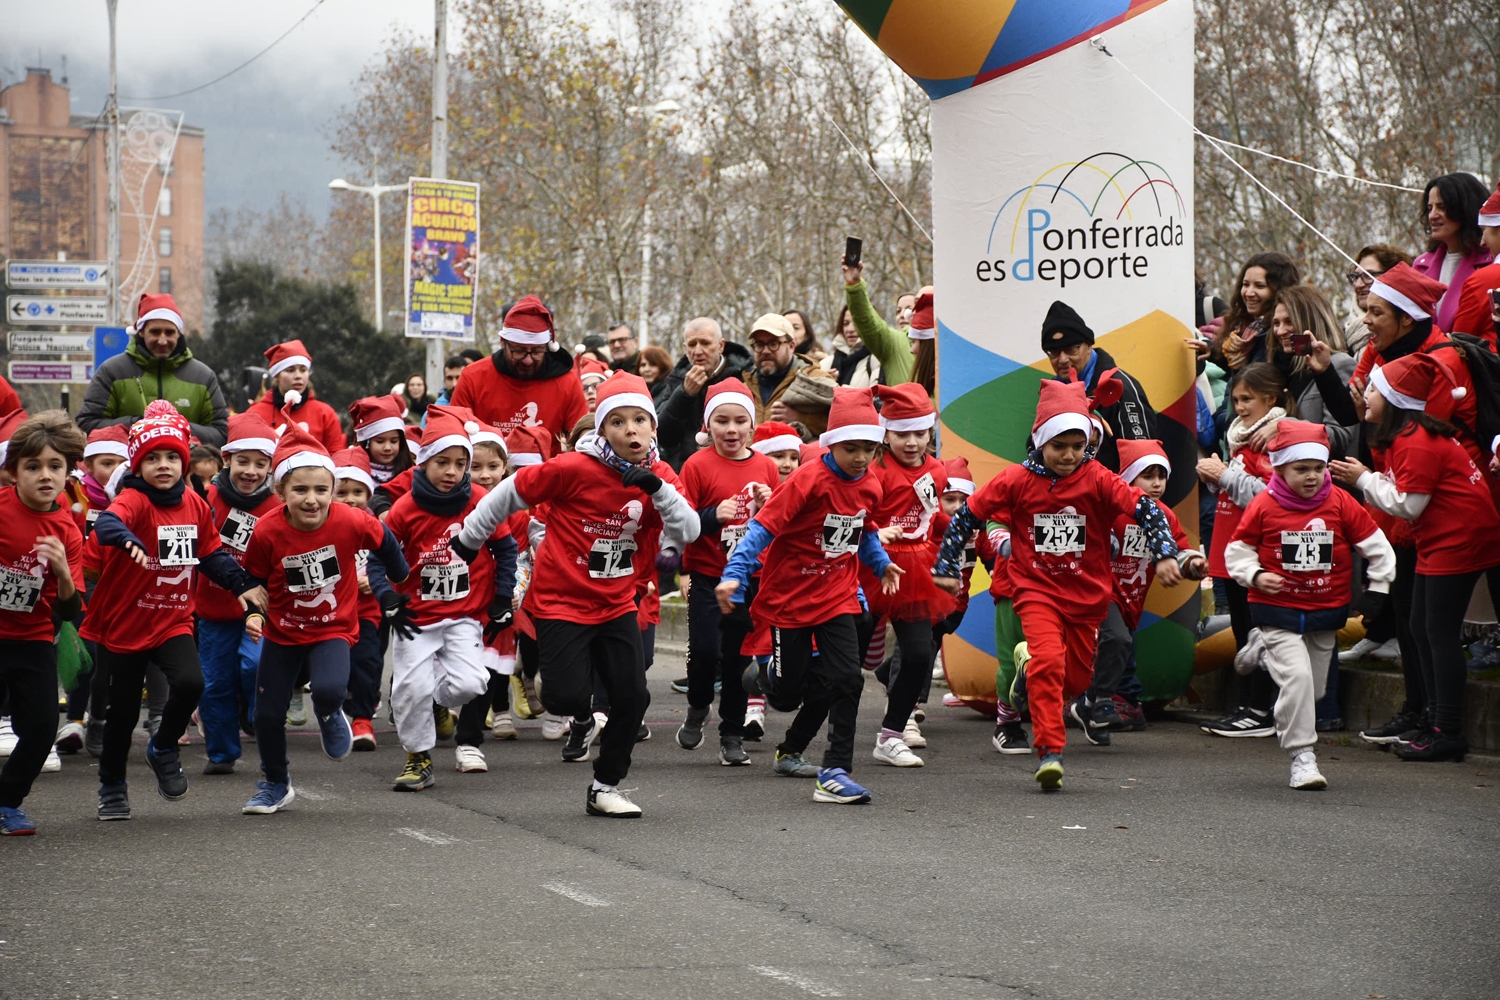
1431, 264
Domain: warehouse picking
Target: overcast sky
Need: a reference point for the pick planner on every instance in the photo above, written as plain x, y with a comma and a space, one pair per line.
266, 125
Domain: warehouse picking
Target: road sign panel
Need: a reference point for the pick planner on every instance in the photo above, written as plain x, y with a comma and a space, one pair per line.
109, 341
56, 310
57, 274
51, 371
32, 342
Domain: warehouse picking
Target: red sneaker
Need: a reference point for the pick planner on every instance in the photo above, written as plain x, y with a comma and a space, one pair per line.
1131, 717
364, 734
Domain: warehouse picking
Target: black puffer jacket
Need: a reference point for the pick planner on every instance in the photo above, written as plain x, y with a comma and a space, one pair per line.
680, 418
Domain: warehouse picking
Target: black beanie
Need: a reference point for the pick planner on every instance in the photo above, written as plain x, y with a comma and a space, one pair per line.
1063, 328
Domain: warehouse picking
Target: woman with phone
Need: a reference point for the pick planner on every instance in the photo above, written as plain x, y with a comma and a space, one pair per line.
1307, 346
908, 355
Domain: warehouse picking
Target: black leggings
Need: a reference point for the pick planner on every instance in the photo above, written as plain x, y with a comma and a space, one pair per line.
1258, 690
910, 673
325, 663
828, 685
496, 696
28, 686
570, 654
178, 660
714, 655
1437, 619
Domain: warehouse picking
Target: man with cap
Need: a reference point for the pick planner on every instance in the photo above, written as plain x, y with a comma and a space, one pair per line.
1069, 345
707, 360
157, 365
530, 381
776, 367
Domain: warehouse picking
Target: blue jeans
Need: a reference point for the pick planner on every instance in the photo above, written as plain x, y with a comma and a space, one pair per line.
229, 658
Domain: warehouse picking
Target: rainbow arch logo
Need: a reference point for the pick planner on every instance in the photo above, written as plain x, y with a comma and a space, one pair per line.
1106, 185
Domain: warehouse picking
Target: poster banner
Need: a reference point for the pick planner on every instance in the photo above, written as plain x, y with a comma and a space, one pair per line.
442, 257
1057, 176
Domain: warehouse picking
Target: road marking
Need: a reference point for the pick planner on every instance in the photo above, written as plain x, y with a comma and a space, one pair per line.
812, 986
310, 796
575, 894
434, 837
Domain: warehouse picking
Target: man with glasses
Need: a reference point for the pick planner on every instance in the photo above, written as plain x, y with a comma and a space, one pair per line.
1068, 343
775, 369
1374, 261
624, 349
529, 382
707, 358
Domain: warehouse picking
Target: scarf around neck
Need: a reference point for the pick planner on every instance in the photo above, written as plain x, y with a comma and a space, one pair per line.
1289, 498
596, 446
231, 494
1239, 433
426, 495
160, 498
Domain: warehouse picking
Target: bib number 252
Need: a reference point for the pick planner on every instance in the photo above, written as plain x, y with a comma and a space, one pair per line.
1060, 534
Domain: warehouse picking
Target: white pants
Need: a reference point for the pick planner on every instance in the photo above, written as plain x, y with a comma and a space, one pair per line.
441, 664
1299, 663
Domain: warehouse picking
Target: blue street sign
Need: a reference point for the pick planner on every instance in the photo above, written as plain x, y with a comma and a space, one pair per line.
109, 341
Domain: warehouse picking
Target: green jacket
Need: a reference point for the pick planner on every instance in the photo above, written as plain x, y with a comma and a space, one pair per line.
124, 384
887, 344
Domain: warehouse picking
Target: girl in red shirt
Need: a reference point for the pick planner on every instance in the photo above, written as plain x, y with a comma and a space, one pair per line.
726, 484
41, 566
289, 367
380, 431
1432, 482
353, 486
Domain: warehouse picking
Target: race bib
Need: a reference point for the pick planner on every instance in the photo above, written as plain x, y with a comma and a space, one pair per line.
1059, 534
445, 581
19, 591
362, 563
1134, 544
927, 494
177, 544
730, 537
610, 558
236, 530
88, 521
841, 534
1307, 551
309, 571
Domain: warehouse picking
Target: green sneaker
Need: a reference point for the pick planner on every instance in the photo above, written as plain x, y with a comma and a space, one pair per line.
1049, 772
444, 722
1022, 657
296, 713
417, 774
794, 765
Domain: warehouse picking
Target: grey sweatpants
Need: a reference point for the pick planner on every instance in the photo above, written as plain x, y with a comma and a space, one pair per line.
1298, 662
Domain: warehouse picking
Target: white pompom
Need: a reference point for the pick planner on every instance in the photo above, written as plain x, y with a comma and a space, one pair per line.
472, 427
1459, 392
293, 397
78, 508
702, 439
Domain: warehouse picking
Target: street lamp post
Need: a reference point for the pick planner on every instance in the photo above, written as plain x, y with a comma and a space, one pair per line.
374, 191
661, 109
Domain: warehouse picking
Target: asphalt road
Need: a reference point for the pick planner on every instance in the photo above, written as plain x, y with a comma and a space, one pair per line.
1171, 865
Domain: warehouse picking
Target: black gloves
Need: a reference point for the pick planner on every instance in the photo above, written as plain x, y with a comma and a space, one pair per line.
1370, 605
501, 617
642, 479
398, 616
465, 553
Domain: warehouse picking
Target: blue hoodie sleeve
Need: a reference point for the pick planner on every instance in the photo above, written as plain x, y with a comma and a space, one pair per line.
872, 553
741, 565
505, 551
950, 558
112, 531
1156, 529
380, 584
391, 556
220, 567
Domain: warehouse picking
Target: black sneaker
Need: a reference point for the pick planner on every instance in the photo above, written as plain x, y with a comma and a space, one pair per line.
114, 802
1082, 715
1392, 731
1334, 725
93, 738
643, 734
690, 733
1434, 744
171, 783
580, 736
680, 685
219, 767
1244, 723
1010, 737
1104, 713
732, 752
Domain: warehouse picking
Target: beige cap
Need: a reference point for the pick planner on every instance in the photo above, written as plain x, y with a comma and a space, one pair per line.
773, 323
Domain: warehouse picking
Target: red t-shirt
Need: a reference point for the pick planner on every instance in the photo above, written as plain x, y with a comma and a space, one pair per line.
1227, 513
811, 567
911, 497
134, 609
312, 576
1059, 532
315, 416
28, 587
1310, 549
441, 585
1459, 531
1133, 566
506, 402
1465, 412
1475, 314
709, 479
234, 526
585, 568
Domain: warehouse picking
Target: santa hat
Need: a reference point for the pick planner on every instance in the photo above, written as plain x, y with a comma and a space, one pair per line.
592, 371
8, 424
353, 463
810, 452
1414, 294
905, 407
530, 323
852, 417
1061, 406
773, 436
250, 432
1298, 441
413, 434
297, 449
960, 479
108, 440
528, 446
1489, 212
280, 357
483, 433
1138, 456
729, 392
923, 324
376, 415
161, 427
624, 389
447, 427
1419, 382
157, 307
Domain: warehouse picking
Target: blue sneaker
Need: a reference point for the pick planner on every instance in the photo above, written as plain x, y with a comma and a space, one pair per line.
13, 822
268, 798
338, 737
1049, 772
835, 785
171, 783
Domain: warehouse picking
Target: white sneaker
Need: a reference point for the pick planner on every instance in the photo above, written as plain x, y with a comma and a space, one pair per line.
1305, 773
912, 736
8, 738
554, 727
611, 802
896, 753
53, 763
504, 727
468, 760
70, 737
1367, 649
755, 723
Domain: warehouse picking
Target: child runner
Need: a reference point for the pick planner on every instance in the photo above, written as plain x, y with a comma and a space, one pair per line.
1294, 551
239, 497
288, 366
960, 488
584, 585
448, 596
1431, 481
352, 486
812, 531
381, 432
207, 462
144, 549
41, 563
726, 484
306, 551
1058, 566
529, 446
